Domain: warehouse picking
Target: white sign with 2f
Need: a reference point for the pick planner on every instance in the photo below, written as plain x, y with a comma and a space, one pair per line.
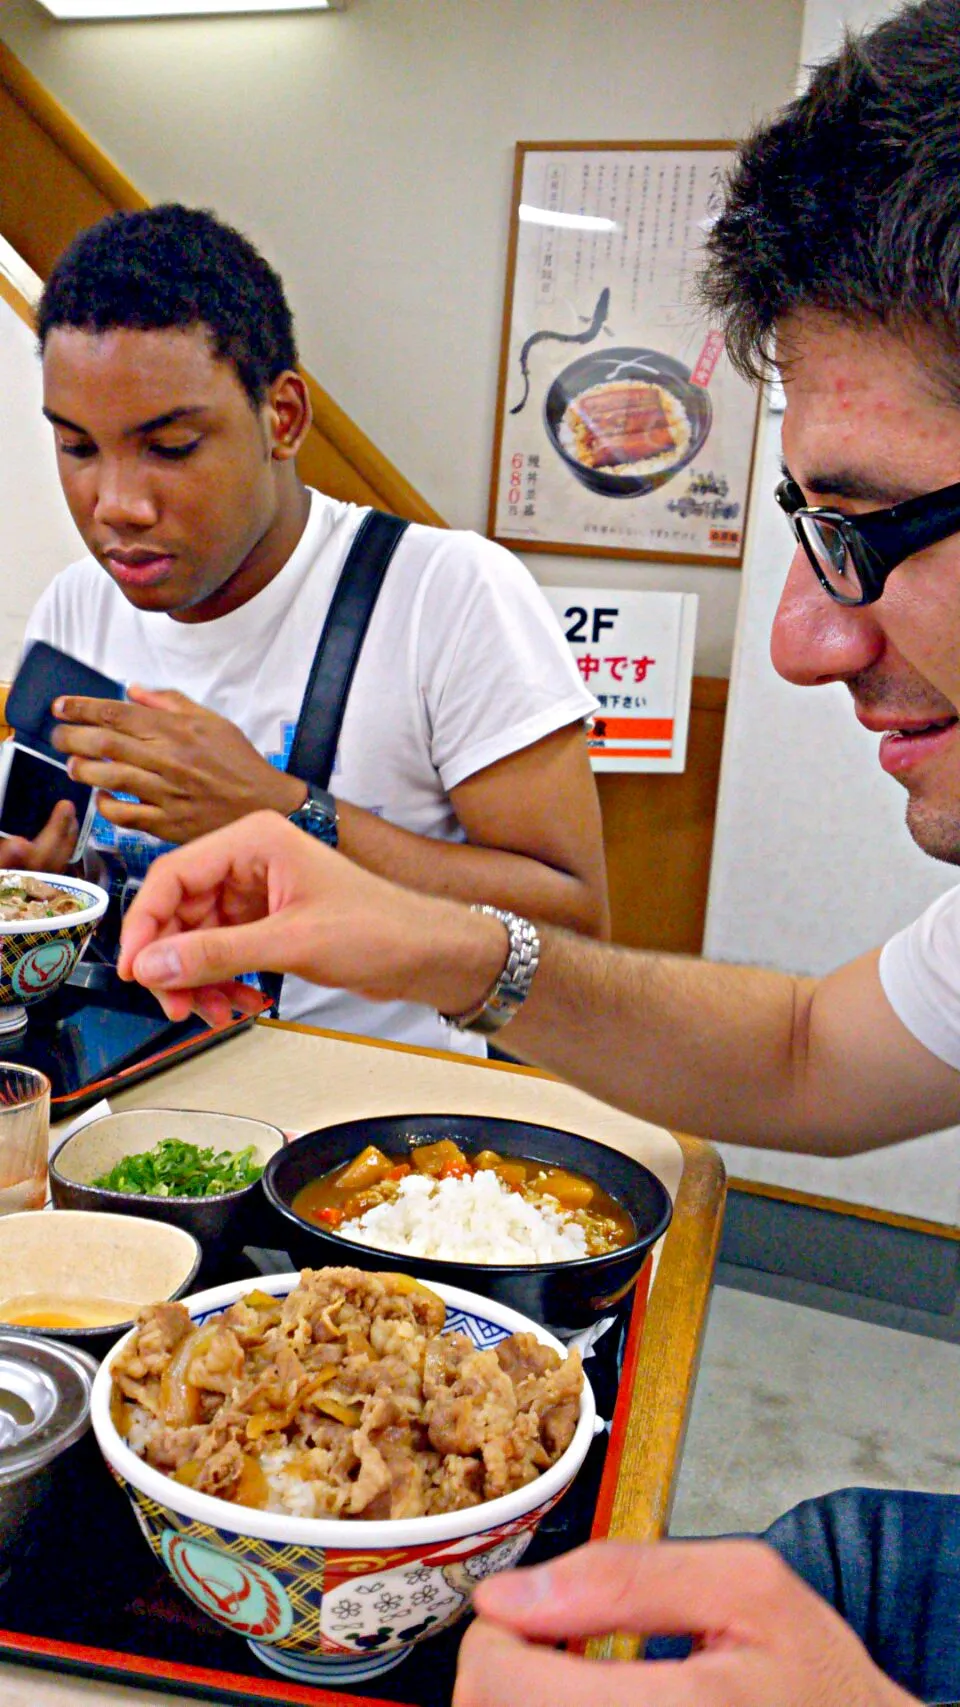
635, 653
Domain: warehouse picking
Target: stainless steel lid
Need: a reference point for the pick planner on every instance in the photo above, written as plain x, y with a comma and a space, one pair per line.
44, 1402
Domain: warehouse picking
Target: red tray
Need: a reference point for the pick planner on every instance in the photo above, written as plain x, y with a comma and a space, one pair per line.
136, 1628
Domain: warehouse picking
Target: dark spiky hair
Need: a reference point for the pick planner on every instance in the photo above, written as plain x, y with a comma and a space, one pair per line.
848, 202
173, 266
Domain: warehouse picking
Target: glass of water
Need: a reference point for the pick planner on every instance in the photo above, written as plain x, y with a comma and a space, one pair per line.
24, 1137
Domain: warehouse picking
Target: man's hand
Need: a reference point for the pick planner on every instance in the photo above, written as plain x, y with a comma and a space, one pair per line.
51, 851
763, 1638
263, 896
190, 770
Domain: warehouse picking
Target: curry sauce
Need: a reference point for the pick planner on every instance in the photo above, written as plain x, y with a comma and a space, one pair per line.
373, 1177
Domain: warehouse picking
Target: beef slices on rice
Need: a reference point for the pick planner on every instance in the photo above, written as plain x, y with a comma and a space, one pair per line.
345, 1399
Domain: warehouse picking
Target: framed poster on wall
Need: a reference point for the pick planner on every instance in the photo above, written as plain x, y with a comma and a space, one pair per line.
622, 429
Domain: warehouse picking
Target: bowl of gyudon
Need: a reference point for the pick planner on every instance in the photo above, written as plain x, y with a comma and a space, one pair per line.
625, 421
326, 1463
548, 1222
46, 922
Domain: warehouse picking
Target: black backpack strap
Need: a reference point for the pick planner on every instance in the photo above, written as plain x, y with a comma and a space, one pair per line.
354, 597
314, 746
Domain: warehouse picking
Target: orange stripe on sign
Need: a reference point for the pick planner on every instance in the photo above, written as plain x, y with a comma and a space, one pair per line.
601, 752
636, 728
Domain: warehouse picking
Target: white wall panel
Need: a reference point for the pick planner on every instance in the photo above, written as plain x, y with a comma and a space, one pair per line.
37, 536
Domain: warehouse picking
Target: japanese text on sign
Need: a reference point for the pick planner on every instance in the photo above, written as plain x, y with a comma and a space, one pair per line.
635, 653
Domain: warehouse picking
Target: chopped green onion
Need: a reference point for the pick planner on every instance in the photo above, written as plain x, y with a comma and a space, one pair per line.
174, 1168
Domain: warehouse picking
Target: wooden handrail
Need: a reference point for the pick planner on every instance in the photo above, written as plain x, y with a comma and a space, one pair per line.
57, 124
67, 182
362, 454
18, 303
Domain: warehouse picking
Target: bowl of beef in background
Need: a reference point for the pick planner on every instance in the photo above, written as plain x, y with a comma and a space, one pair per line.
564, 1295
222, 1222
626, 420
46, 922
335, 1599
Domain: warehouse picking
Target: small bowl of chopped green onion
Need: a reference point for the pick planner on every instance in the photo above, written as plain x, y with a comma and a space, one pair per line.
198, 1170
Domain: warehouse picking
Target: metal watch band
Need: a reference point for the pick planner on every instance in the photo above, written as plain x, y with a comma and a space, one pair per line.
318, 815
513, 985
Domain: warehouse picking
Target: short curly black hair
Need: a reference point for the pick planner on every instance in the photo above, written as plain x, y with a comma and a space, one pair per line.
848, 202
174, 266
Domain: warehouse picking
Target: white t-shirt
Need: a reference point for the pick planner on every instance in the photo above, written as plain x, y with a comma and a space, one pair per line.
920, 974
463, 663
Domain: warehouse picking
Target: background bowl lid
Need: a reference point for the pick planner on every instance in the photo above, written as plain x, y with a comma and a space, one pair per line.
44, 1402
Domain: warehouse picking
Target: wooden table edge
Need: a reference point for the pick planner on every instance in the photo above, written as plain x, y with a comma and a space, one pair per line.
669, 1359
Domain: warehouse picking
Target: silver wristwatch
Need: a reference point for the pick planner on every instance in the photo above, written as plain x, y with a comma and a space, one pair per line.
318, 815
512, 987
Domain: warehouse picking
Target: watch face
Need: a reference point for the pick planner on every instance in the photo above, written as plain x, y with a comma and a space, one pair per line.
317, 820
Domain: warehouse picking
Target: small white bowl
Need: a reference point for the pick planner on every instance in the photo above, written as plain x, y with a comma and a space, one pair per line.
131, 1261
327, 1600
233, 1218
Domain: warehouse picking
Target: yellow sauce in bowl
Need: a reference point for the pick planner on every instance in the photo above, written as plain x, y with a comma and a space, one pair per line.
62, 1310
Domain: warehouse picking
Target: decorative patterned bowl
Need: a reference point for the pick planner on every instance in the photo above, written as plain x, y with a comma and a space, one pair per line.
36, 955
324, 1600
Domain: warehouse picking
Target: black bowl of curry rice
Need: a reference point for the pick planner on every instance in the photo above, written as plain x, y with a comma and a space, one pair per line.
563, 1293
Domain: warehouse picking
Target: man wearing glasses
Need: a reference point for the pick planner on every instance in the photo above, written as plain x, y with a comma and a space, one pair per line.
837, 257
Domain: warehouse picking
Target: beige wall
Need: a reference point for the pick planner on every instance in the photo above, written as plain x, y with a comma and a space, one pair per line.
823, 21
36, 532
369, 153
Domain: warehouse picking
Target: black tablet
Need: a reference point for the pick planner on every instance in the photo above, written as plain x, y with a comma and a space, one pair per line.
97, 1034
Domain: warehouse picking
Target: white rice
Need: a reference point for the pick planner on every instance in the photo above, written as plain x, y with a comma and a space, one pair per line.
474, 1219
143, 1426
289, 1492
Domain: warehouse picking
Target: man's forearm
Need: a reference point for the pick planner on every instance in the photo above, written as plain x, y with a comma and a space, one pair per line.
461, 871
734, 1053
706, 1048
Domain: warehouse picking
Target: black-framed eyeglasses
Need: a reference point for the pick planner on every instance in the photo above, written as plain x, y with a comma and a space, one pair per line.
852, 556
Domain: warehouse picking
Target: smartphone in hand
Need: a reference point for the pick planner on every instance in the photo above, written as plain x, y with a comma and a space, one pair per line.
33, 776
44, 674
30, 786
